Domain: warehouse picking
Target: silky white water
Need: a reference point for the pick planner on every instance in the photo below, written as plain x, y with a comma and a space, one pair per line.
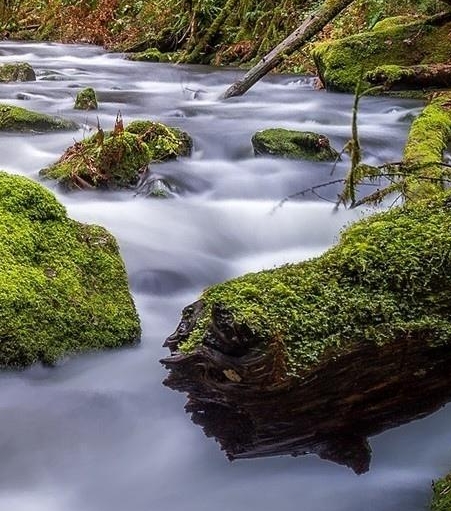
100, 432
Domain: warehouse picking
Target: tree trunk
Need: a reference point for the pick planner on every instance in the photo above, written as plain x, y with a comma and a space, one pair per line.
436, 76
203, 44
310, 27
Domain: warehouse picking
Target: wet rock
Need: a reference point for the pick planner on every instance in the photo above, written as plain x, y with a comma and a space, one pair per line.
17, 72
86, 100
14, 118
302, 145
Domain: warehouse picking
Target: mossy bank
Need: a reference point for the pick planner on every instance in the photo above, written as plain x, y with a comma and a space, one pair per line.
342, 62
63, 284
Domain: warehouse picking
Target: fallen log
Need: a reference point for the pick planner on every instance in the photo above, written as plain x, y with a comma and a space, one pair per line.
315, 357
436, 76
309, 28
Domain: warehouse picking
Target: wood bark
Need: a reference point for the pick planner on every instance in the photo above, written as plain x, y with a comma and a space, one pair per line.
212, 31
238, 393
437, 76
310, 27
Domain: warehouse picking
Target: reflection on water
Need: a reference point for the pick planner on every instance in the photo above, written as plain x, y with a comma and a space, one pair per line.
100, 433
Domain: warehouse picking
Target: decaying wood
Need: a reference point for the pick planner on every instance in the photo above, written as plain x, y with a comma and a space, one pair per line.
238, 396
310, 27
437, 76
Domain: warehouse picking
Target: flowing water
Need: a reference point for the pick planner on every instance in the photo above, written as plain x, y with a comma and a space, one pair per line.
100, 432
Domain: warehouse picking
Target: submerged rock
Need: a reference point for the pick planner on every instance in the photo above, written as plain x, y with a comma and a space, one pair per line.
303, 145
17, 72
315, 357
14, 118
86, 100
118, 158
63, 284
341, 62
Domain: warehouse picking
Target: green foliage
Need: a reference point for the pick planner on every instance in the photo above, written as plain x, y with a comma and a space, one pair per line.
63, 287
441, 500
388, 277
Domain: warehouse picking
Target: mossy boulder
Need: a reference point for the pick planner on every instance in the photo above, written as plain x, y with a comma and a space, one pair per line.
17, 72
441, 500
86, 100
340, 63
118, 158
303, 145
14, 118
63, 284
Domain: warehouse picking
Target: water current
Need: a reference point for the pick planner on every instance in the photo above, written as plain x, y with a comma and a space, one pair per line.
100, 432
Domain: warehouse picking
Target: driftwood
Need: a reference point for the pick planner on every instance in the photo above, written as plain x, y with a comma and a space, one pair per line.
437, 76
237, 395
309, 28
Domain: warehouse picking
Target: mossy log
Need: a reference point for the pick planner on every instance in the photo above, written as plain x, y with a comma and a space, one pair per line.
63, 286
435, 76
315, 357
306, 31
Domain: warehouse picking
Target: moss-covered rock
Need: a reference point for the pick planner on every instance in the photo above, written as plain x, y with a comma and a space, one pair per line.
117, 158
293, 144
17, 72
340, 63
86, 100
441, 500
14, 118
63, 285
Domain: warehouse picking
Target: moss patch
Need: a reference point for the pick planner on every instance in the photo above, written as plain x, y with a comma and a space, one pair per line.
152, 55
14, 118
86, 100
117, 158
341, 62
63, 285
441, 500
388, 277
428, 138
17, 72
293, 144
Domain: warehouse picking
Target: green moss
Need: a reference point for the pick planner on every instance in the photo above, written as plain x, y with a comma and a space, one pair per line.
390, 73
63, 286
14, 118
428, 138
86, 100
441, 499
393, 22
341, 62
164, 142
293, 144
17, 72
151, 55
389, 276
116, 159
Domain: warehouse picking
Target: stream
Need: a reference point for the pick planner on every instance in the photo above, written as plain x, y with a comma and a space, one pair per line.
100, 432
